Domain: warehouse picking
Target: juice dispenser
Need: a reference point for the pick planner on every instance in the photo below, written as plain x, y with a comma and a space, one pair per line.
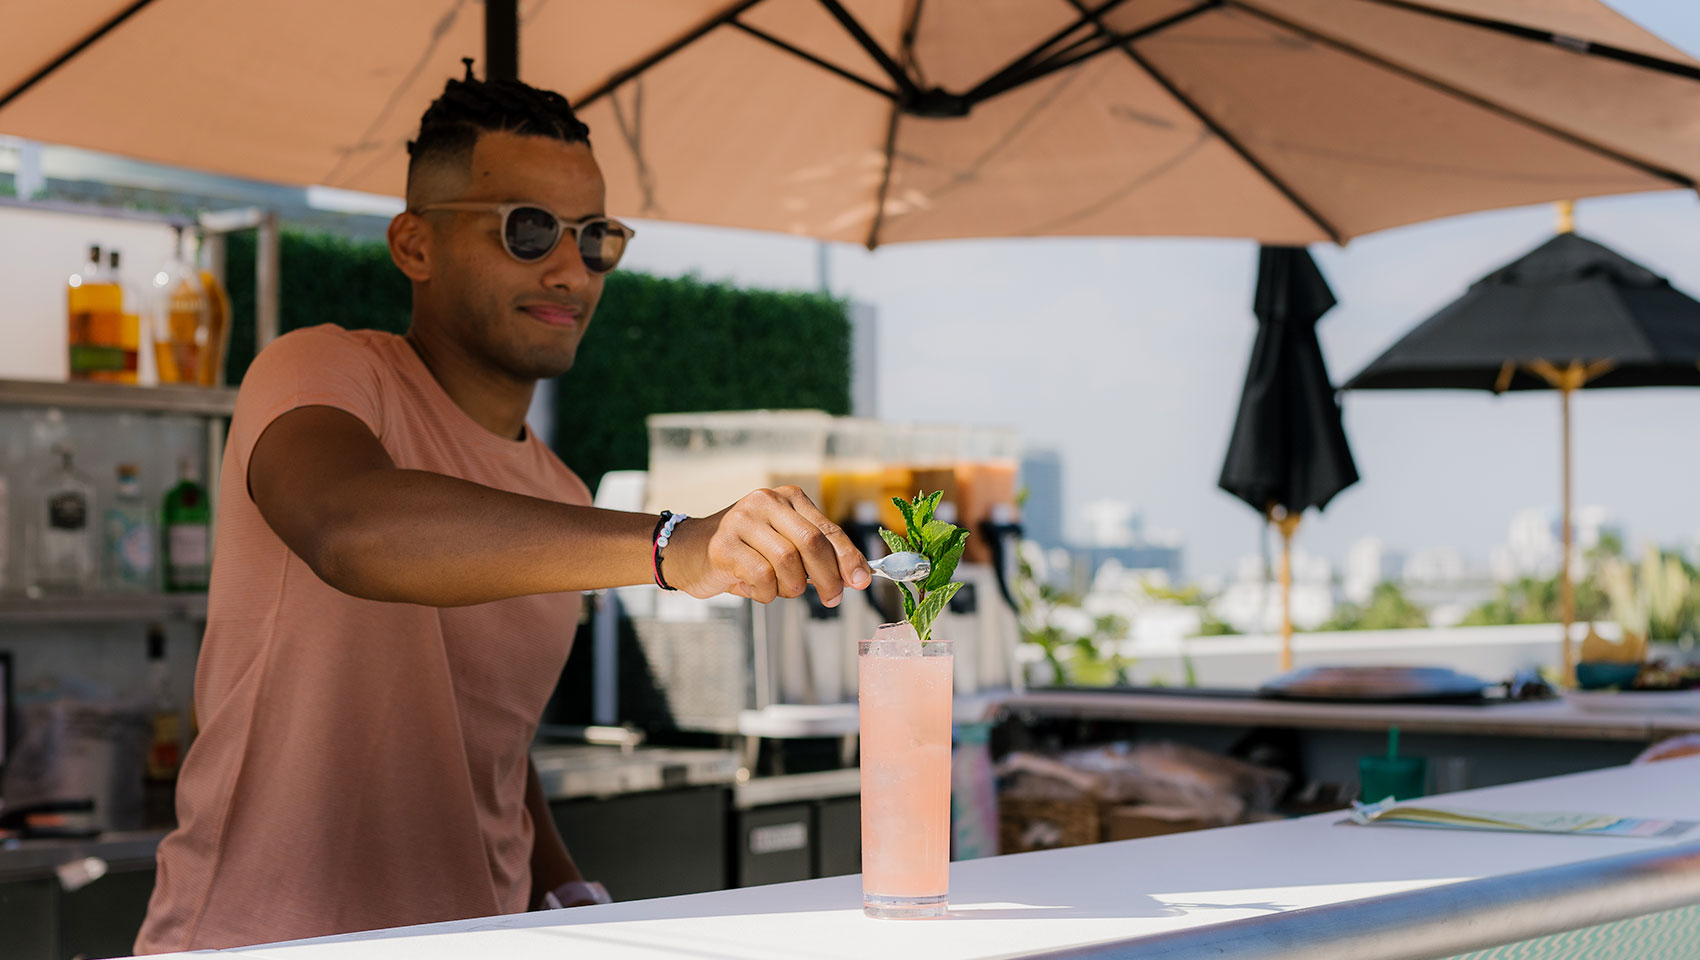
935, 451
982, 616
853, 477
701, 463
985, 482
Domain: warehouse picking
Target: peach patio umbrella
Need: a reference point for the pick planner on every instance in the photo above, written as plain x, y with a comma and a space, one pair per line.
885, 121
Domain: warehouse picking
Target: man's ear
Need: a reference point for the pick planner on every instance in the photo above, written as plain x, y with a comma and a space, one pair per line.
410, 246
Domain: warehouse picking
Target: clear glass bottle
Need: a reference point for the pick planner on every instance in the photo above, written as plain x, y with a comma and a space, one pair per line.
61, 554
187, 522
179, 318
129, 556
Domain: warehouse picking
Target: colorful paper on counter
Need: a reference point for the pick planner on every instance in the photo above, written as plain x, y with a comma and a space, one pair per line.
1392, 813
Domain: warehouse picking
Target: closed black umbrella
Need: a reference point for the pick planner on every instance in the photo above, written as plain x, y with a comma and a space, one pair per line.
1289, 451
1569, 315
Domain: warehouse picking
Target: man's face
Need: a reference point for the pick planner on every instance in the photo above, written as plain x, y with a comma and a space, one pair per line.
524, 320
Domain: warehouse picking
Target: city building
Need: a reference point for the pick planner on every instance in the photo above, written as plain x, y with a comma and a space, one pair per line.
1370, 562
1042, 513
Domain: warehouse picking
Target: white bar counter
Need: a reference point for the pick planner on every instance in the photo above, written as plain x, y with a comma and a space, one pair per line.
1312, 888
1561, 718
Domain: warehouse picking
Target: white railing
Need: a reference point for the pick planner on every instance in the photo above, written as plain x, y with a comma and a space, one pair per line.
1246, 661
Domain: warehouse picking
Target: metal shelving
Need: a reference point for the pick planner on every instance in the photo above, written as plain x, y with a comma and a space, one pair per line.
118, 397
104, 608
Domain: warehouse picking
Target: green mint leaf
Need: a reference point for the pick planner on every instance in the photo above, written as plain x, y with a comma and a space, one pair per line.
908, 603
933, 537
925, 506
894, 542
909, 528
949, 557
929, 609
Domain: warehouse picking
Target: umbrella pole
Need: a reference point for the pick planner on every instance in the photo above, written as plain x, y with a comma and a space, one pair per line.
1288, 524
1567, 590
1566, 381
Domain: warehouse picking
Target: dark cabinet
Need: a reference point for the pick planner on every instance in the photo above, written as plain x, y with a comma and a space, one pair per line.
838, 837
775, 844
40, 921
641, 845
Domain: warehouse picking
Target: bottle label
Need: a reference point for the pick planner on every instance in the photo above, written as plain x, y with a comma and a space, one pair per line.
130, 544
165, 752
67, 511
189, 555
135, 550
88, 358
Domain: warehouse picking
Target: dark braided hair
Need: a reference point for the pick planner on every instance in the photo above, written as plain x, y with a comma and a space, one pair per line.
470, 107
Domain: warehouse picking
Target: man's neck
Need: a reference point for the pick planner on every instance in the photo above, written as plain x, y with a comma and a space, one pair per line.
495, 402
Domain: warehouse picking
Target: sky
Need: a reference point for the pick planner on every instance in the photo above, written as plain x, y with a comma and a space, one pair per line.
1127, 356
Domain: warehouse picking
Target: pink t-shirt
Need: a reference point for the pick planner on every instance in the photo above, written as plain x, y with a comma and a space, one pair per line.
360, 764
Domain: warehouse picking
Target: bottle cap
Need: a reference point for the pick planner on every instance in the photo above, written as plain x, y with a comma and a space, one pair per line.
156, 642
128, 471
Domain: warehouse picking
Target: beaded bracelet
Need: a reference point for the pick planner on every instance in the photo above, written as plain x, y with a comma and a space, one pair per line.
663, 535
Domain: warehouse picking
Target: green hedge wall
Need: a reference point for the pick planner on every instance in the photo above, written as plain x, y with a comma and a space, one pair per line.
671, 346
326, 279
657, 345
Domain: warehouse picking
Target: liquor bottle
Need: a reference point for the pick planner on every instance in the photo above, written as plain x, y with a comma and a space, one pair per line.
61, 555
129, 536
187, 522
103, 360
126, 342
165, 745
84, 295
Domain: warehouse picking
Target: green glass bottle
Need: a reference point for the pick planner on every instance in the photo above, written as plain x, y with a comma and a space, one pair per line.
187, 525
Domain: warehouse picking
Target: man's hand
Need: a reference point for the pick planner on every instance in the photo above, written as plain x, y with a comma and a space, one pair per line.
772, 543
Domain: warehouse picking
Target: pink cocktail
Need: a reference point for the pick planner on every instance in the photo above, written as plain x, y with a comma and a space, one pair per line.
905, 692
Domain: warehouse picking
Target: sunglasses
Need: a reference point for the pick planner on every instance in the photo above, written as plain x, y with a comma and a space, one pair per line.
530, 232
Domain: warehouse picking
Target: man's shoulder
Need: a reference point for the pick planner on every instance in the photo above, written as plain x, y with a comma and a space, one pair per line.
323, 365
329, 336
322, 350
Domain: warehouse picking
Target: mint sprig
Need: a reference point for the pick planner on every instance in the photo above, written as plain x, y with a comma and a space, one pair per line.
942, 544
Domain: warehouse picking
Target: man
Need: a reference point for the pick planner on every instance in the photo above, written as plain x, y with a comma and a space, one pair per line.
398, 565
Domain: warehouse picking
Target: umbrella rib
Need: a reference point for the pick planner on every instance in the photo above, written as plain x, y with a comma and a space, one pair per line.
821, 62
1465, 96
899, 75
1233, 143
88, 41
1110, 41
908, 45
1029, 58
1587, 48
691, 36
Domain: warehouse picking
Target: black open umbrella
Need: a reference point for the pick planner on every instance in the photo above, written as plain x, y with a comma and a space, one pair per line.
1288, 452
1571, 314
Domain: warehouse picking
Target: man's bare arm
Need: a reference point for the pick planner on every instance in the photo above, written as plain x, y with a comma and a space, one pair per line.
330, 491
